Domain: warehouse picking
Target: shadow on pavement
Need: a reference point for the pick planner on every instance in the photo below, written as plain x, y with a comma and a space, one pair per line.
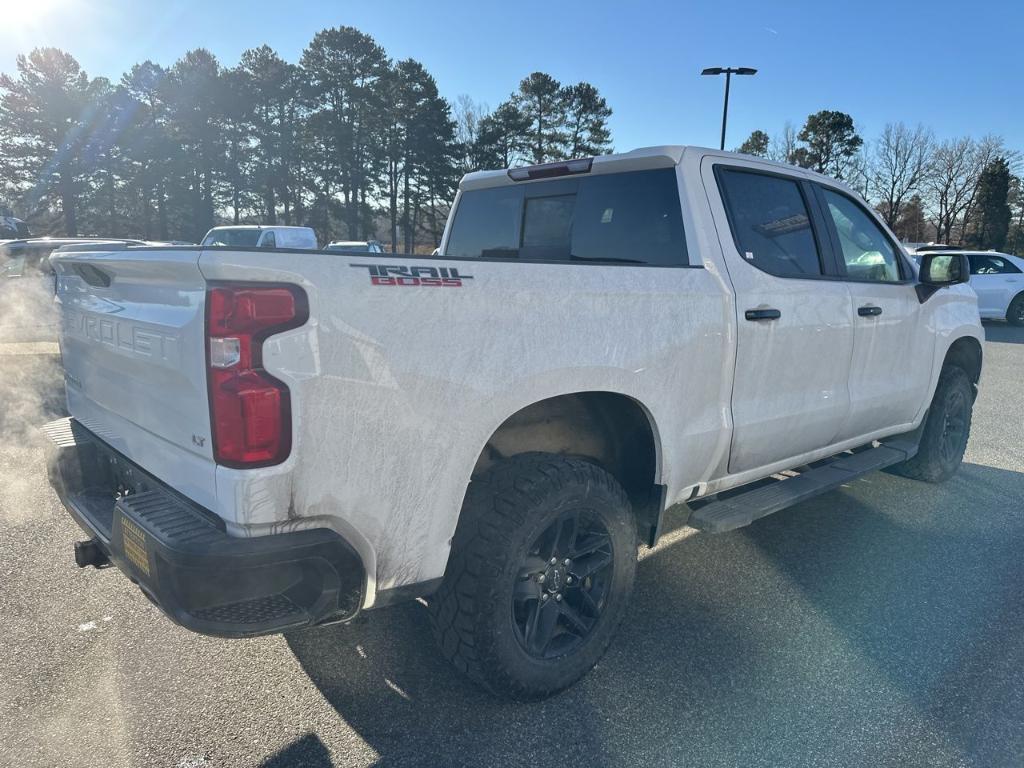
930, 595
1003, 333
308, 752
833, 631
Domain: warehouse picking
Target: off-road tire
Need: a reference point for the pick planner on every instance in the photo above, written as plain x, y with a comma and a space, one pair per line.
1015, 312
939, 455
504, 511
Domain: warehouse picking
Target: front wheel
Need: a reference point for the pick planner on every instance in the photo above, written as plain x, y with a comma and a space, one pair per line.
946, 429
541, 571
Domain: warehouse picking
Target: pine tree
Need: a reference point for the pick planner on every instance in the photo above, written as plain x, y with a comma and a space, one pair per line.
992, 209
542, 100
756, 144
44, 128
269, 80
503, 139
831, 142
344, 72
193, 92
586, 127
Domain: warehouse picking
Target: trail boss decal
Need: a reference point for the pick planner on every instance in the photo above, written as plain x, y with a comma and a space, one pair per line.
440, 277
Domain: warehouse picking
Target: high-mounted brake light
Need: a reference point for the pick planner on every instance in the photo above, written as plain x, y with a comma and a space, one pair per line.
250, 410
550, 170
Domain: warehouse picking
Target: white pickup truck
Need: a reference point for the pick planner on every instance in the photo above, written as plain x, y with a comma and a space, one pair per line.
264, 442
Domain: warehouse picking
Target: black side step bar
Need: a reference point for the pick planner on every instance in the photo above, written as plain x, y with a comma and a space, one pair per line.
744, 508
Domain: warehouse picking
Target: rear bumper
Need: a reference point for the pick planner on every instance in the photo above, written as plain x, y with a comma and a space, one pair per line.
182, 559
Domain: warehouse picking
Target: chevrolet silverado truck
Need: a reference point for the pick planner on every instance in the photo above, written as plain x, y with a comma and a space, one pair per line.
264, 442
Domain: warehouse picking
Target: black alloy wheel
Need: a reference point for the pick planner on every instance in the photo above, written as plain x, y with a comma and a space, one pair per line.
563, 585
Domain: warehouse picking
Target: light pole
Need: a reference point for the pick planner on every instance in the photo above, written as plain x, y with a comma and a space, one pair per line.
728, 72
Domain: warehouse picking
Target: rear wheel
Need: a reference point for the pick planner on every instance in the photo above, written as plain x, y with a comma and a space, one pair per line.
947, 427
541, 570
1015, 312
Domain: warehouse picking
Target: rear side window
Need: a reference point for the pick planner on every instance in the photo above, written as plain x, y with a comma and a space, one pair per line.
770, 223
270, 240
633, 216
623, 217
983, 264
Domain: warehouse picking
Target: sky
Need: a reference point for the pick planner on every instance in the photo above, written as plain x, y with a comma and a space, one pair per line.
955, 67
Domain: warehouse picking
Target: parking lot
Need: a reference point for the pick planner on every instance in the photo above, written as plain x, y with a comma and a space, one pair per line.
882, 624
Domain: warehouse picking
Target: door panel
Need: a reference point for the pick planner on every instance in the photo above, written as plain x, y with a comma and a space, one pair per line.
790, 394
892, 352
996, 280
989, 289
892, 358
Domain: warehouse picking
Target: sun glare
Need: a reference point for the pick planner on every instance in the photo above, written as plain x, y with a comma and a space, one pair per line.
26, 15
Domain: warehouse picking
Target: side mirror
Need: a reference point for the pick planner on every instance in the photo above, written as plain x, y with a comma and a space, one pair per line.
939, 270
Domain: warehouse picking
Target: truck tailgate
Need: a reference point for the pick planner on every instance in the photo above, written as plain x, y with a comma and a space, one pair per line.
133, 345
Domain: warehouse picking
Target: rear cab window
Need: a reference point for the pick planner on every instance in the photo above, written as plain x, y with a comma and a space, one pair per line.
632, 217
771, 222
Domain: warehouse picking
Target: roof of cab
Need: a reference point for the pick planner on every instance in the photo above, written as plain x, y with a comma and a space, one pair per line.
645, 158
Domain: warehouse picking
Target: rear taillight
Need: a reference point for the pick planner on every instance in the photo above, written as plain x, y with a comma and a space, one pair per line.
250, 410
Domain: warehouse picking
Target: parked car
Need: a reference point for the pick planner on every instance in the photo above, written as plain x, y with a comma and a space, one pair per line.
264, 443
255, 236
355, 246
997, 278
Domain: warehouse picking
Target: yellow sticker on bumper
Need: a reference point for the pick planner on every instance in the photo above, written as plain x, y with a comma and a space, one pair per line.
134, 540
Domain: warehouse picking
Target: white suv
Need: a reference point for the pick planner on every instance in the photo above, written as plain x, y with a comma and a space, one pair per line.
998, 279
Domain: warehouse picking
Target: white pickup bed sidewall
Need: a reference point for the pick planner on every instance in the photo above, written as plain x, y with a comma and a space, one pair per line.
396, 390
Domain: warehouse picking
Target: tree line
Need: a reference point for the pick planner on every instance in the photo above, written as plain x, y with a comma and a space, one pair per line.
360, 146
346, 140
962, 191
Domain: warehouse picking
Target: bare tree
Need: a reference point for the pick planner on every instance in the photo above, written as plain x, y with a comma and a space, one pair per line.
898, 166
857, 172
782, 147
467, 114
951, 183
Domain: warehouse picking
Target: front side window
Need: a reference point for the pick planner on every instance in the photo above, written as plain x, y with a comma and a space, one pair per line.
632, 217
270, 240
771, 223
867, 253
983, 264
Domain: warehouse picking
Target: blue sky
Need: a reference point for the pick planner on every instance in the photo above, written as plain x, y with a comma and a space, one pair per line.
956, 67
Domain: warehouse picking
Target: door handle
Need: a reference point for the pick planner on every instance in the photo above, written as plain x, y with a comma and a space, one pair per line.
762, 314
869, 311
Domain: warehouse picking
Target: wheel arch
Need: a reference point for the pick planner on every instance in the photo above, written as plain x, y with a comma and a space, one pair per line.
966, 352
613, 430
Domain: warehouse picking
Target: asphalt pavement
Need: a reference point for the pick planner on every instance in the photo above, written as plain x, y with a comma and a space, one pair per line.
879, 625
